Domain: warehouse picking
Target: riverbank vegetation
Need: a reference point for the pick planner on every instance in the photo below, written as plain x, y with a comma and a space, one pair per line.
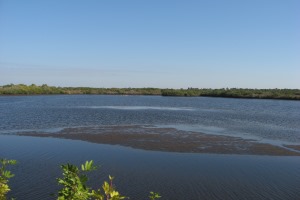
33, 89
292, 94
21, 89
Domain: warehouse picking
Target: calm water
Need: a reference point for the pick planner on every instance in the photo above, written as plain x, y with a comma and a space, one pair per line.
174, 175
268, 120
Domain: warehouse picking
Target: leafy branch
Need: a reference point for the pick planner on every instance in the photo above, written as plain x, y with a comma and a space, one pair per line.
75, 188
5, 175
73, 182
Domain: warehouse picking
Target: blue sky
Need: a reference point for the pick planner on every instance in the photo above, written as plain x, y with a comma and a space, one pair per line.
151, 43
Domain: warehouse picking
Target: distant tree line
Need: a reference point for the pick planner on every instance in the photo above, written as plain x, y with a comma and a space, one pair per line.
33, 89
21, 89
292, 94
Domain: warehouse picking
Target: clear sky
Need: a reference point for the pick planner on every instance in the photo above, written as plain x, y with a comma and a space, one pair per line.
151, 43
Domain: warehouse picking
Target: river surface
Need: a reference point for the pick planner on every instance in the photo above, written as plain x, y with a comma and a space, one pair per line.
174, 175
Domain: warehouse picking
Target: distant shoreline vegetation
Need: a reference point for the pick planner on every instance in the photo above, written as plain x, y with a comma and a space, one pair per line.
21, 89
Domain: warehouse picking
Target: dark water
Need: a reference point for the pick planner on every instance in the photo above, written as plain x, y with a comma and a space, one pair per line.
174, 175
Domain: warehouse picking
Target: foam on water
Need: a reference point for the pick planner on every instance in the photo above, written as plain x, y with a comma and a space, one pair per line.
139, 108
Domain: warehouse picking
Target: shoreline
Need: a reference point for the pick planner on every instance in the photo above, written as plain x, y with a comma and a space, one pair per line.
169, 140
159, 95
240, 93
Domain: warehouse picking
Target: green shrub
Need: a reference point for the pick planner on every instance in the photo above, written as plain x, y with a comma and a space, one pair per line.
5, 175
75, 188
74, 183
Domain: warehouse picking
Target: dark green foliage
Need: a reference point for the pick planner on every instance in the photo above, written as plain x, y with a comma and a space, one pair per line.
291, 94
21, 89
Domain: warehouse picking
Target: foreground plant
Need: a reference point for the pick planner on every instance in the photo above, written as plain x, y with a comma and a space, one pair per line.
5, 175
74, 183
75, 188
154, 195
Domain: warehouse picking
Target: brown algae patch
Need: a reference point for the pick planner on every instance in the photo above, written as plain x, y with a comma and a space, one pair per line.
295, 147
168, 139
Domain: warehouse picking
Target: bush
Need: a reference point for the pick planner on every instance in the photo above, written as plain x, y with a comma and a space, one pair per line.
75, 188
5, 175
74, 183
